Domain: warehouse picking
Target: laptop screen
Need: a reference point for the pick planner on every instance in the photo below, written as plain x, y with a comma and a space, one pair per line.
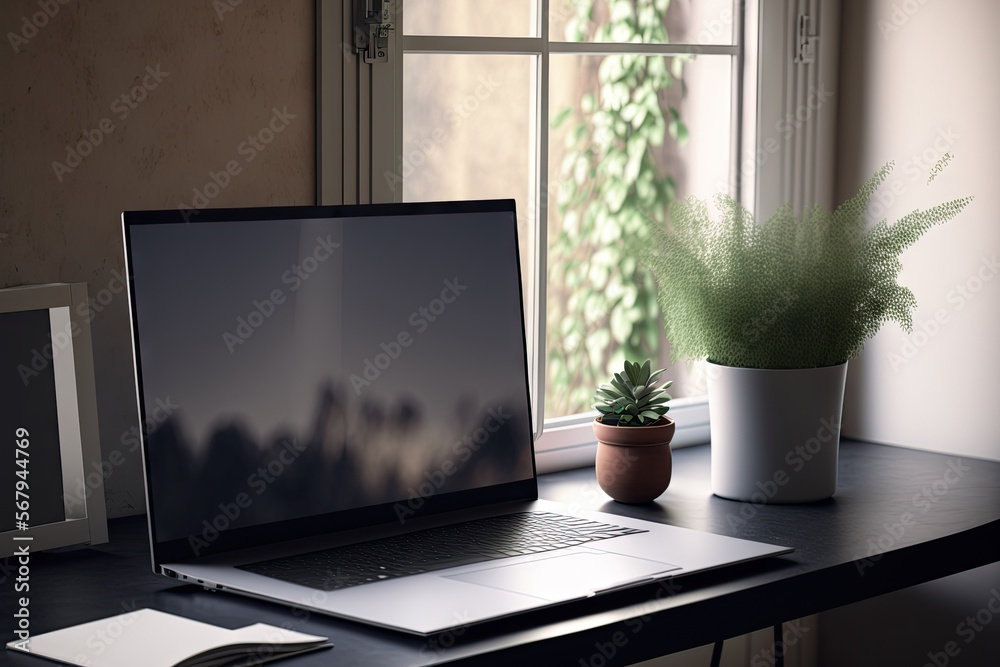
355, 364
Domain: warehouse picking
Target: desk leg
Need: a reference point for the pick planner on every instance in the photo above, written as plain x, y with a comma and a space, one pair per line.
778, 648
717, 653
779, 655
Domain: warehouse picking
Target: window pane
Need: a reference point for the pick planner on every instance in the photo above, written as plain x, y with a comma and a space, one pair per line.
647, 21
629, 135
478, 18
468, 133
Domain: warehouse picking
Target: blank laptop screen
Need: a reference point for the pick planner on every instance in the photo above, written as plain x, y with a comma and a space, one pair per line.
298, 367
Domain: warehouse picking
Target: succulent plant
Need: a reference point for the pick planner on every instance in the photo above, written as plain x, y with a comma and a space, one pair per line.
632, 398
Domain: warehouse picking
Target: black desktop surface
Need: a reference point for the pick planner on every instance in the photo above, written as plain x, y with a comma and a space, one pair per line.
900, 517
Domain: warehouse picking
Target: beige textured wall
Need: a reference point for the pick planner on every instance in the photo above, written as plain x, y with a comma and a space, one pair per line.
920, 78
222, 75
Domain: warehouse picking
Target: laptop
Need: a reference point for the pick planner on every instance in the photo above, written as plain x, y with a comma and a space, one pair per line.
336, 416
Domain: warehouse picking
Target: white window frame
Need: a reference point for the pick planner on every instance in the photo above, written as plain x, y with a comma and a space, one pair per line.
359, 139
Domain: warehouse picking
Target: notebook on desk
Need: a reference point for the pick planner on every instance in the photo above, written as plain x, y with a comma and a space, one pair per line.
156, 639
337, 415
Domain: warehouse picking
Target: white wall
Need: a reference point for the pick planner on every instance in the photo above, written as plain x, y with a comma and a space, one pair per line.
923, 77
919, 78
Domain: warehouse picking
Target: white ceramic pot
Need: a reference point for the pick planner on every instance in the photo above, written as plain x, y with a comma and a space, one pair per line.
775, 433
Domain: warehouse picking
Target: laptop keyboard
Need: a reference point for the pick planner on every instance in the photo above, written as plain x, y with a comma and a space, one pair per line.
439, 548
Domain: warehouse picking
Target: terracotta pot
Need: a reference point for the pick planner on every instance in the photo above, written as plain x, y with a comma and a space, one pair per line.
633, 462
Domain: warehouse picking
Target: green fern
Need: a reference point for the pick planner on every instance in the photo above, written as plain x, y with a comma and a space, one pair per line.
793, 292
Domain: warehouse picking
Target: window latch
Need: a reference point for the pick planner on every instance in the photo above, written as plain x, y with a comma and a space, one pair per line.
805, 52
372, 23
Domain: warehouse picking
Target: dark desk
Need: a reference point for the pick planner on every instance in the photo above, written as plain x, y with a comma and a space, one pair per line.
919, 516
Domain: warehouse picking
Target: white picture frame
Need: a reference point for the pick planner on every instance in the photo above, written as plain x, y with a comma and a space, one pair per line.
70, 354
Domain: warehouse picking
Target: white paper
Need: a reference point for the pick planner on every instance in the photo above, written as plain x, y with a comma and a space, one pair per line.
157, 639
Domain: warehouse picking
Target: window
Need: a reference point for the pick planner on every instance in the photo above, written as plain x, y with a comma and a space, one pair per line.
593, 115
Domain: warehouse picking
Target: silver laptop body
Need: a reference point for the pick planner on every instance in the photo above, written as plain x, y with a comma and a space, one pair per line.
317, 377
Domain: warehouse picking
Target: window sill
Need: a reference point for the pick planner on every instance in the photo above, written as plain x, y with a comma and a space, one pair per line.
569, 442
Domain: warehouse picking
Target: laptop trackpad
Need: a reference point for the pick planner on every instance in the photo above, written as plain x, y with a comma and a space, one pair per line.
568, 576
